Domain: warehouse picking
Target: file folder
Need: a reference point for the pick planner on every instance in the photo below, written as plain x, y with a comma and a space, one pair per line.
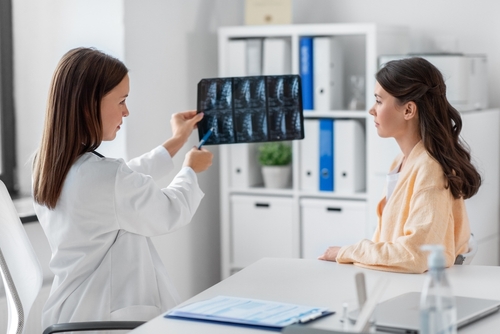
349, 161
237, 60
327, 74
243, 169
309, 159
306, 72
254, 57
277, 56
326, 154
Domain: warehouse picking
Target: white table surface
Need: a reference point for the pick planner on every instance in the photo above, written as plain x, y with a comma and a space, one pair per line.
321, 283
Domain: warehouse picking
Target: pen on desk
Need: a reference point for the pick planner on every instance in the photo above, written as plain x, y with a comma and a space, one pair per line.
205, 137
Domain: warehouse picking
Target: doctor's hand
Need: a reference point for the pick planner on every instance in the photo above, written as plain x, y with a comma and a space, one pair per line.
182, 123
198, 159
330, 254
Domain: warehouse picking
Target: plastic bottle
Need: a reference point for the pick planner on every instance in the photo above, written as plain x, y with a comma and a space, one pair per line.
438, 312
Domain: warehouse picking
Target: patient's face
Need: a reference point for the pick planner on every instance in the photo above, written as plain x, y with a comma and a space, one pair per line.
388, 115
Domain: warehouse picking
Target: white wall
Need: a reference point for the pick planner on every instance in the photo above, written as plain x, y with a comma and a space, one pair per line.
169, 47
43, 31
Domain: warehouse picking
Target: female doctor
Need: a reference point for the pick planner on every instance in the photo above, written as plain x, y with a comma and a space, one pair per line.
99, 213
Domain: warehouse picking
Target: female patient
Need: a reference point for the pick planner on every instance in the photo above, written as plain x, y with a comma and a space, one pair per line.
428, 182
99, 213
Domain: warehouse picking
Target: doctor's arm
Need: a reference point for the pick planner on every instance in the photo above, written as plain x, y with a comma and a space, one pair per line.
158, 162
143, 208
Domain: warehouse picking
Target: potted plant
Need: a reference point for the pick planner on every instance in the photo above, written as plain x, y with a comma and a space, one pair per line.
275, 159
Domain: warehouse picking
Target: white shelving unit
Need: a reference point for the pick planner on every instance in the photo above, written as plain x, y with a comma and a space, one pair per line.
248, 232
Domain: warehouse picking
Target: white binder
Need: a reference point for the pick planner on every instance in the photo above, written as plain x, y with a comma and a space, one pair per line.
309, 159
254, 57
327, 74
237, 57
349, 156
244, 166
277, 56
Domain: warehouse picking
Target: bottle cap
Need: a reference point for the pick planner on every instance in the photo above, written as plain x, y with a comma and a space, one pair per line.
436, 257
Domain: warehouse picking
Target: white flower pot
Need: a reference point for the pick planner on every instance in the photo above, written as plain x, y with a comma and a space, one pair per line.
277, 177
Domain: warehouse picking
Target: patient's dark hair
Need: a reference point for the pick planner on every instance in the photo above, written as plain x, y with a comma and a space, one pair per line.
416, 79
73, 117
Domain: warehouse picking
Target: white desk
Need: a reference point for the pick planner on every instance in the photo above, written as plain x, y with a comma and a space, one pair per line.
320, 283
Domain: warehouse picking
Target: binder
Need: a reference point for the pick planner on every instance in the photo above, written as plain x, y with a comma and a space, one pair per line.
277, 56
251, 312
349, 165
309, 160
326, 152
254, 56
243, 165
306, 72
237, 57
327, 73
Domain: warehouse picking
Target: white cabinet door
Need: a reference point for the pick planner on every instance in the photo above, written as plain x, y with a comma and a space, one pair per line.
328, 223
261, 227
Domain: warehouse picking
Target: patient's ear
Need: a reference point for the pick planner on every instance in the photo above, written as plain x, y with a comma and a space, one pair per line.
410, 110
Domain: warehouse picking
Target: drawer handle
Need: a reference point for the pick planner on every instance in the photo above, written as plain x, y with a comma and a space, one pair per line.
334, 209
262, 205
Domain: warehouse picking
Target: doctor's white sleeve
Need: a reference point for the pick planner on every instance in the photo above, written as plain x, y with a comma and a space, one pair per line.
156, 163
142, 207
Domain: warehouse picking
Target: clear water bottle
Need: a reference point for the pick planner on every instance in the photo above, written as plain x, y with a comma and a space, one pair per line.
438, 312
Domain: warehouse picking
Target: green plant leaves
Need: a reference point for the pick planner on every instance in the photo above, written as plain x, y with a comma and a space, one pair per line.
275, 154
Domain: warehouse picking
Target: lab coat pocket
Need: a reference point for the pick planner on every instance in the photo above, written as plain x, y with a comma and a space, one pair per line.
133, 276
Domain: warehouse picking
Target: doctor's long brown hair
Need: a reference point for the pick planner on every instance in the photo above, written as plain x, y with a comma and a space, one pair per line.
73, 117
415, 79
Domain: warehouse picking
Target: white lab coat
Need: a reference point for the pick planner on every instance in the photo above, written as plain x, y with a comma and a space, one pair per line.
105, 265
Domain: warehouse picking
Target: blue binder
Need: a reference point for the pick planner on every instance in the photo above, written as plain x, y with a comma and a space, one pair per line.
306, 72
326, 181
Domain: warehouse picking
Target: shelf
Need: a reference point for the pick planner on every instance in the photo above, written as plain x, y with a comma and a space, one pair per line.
336, 114
333, 195
305, 30
288, 192
294, 193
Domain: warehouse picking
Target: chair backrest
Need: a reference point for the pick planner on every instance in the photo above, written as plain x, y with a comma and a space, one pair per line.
21, 272
466, 258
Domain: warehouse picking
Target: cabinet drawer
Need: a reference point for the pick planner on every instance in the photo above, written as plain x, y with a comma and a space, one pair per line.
261, 226
326, 223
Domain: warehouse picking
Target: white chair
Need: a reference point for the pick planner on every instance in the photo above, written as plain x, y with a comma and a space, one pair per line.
466, 258
22, 276
21, 272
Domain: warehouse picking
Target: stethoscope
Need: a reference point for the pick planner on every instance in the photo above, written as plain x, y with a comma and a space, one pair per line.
98, 154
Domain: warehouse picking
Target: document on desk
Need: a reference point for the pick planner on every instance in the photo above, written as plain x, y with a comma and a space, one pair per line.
246, 311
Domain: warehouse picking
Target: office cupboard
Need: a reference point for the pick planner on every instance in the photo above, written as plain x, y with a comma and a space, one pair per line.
328, 222
260, 227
